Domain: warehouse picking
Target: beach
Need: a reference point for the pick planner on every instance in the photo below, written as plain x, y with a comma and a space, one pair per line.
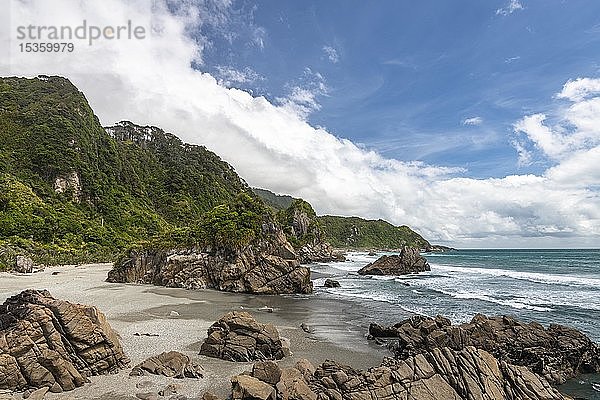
180, 318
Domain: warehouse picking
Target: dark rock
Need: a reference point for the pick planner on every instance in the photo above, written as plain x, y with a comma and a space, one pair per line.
306, 328
45, 342
23, 264
237, 336
409, 261
558, 353
269, 266
172, 364
330, 283
55, 273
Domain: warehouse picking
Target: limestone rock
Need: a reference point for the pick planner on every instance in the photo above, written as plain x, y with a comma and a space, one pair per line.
409, 261
172, 364
23, 264
45, 342
558, 353
237, 336
269, 266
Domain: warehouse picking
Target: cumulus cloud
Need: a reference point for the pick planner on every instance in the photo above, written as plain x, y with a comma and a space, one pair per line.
302, 97
331, 54
273, 146
511, 7
474, 121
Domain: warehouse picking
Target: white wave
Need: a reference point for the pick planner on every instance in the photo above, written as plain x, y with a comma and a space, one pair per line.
536, 277
522, 303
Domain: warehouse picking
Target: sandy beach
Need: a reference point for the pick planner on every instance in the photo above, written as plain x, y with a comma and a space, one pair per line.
180, 318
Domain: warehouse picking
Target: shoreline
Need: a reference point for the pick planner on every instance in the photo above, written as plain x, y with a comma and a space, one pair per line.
146, 309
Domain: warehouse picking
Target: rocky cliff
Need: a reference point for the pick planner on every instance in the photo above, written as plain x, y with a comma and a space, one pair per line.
45, 342
557, 353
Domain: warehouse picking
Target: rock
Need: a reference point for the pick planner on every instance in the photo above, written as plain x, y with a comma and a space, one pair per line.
330, 283
169, 390
146, 384
293, 386
267, 371
266, 309
267, 266
245, 387
38, 394
147, 396
45, 342
210, 396
23, 264
558, 353
174, 314
409, 261
305, 367
306, 328
237, 336
372, 253
171, 364
55, 273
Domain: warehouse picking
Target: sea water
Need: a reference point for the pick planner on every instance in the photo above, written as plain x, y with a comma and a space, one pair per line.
547, 286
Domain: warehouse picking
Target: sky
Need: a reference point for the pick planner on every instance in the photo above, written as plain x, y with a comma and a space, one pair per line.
477, 123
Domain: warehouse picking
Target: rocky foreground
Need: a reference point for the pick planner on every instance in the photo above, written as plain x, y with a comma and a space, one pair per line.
557, 353
45, 342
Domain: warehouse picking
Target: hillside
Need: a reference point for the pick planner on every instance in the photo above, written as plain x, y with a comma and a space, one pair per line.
347, 232
71, 190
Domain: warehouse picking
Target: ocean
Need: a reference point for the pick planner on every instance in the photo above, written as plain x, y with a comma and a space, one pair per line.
547, 286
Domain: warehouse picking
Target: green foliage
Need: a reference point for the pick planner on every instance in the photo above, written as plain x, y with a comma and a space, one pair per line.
358, 233
136, 183
300, 213
276, 201
233, 225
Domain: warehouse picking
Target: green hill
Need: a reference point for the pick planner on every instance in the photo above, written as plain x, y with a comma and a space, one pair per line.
71, 190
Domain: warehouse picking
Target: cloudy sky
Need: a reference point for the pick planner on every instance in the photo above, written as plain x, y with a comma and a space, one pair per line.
475, 122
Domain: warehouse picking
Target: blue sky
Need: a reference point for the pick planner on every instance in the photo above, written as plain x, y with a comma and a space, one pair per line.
407, 77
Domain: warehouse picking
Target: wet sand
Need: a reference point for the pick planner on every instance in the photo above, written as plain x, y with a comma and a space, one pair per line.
338, 327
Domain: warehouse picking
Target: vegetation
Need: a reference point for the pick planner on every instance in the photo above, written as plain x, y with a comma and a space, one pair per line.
116, 187
275, 201
300, 223
359, 233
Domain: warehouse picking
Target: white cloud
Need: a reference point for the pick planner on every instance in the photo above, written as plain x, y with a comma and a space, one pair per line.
579, 89
331, 54
302, 97
272, 146
229, 76
474, 121
512, 59
511, 7
525, 155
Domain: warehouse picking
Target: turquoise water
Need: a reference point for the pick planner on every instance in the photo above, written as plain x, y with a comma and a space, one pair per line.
548, 286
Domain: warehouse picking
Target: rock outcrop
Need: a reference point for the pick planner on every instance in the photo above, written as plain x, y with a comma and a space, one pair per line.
45, 342
171, 364
319, 252
409, 261
557, 353
268, 266
237, 336
443, 373
23, 264
331, 283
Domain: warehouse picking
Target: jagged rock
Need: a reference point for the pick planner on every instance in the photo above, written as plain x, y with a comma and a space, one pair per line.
319, 252
267, 267
38, 394
23, 264
330, 283
172, 364
237, 336
558, 353
442, 374
267, 371
409, 261
45, 342
244, 387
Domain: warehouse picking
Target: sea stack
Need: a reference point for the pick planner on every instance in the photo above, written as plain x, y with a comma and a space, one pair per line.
409, 261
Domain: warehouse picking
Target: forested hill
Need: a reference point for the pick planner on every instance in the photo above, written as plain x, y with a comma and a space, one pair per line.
69, 187
353, 232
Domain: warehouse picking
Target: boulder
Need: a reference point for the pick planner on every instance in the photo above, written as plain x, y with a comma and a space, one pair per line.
237, 336
558, 352
45, 342
267, 371
171, 364
244, 387
23, 264
409, 261
330, 283
268, 266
